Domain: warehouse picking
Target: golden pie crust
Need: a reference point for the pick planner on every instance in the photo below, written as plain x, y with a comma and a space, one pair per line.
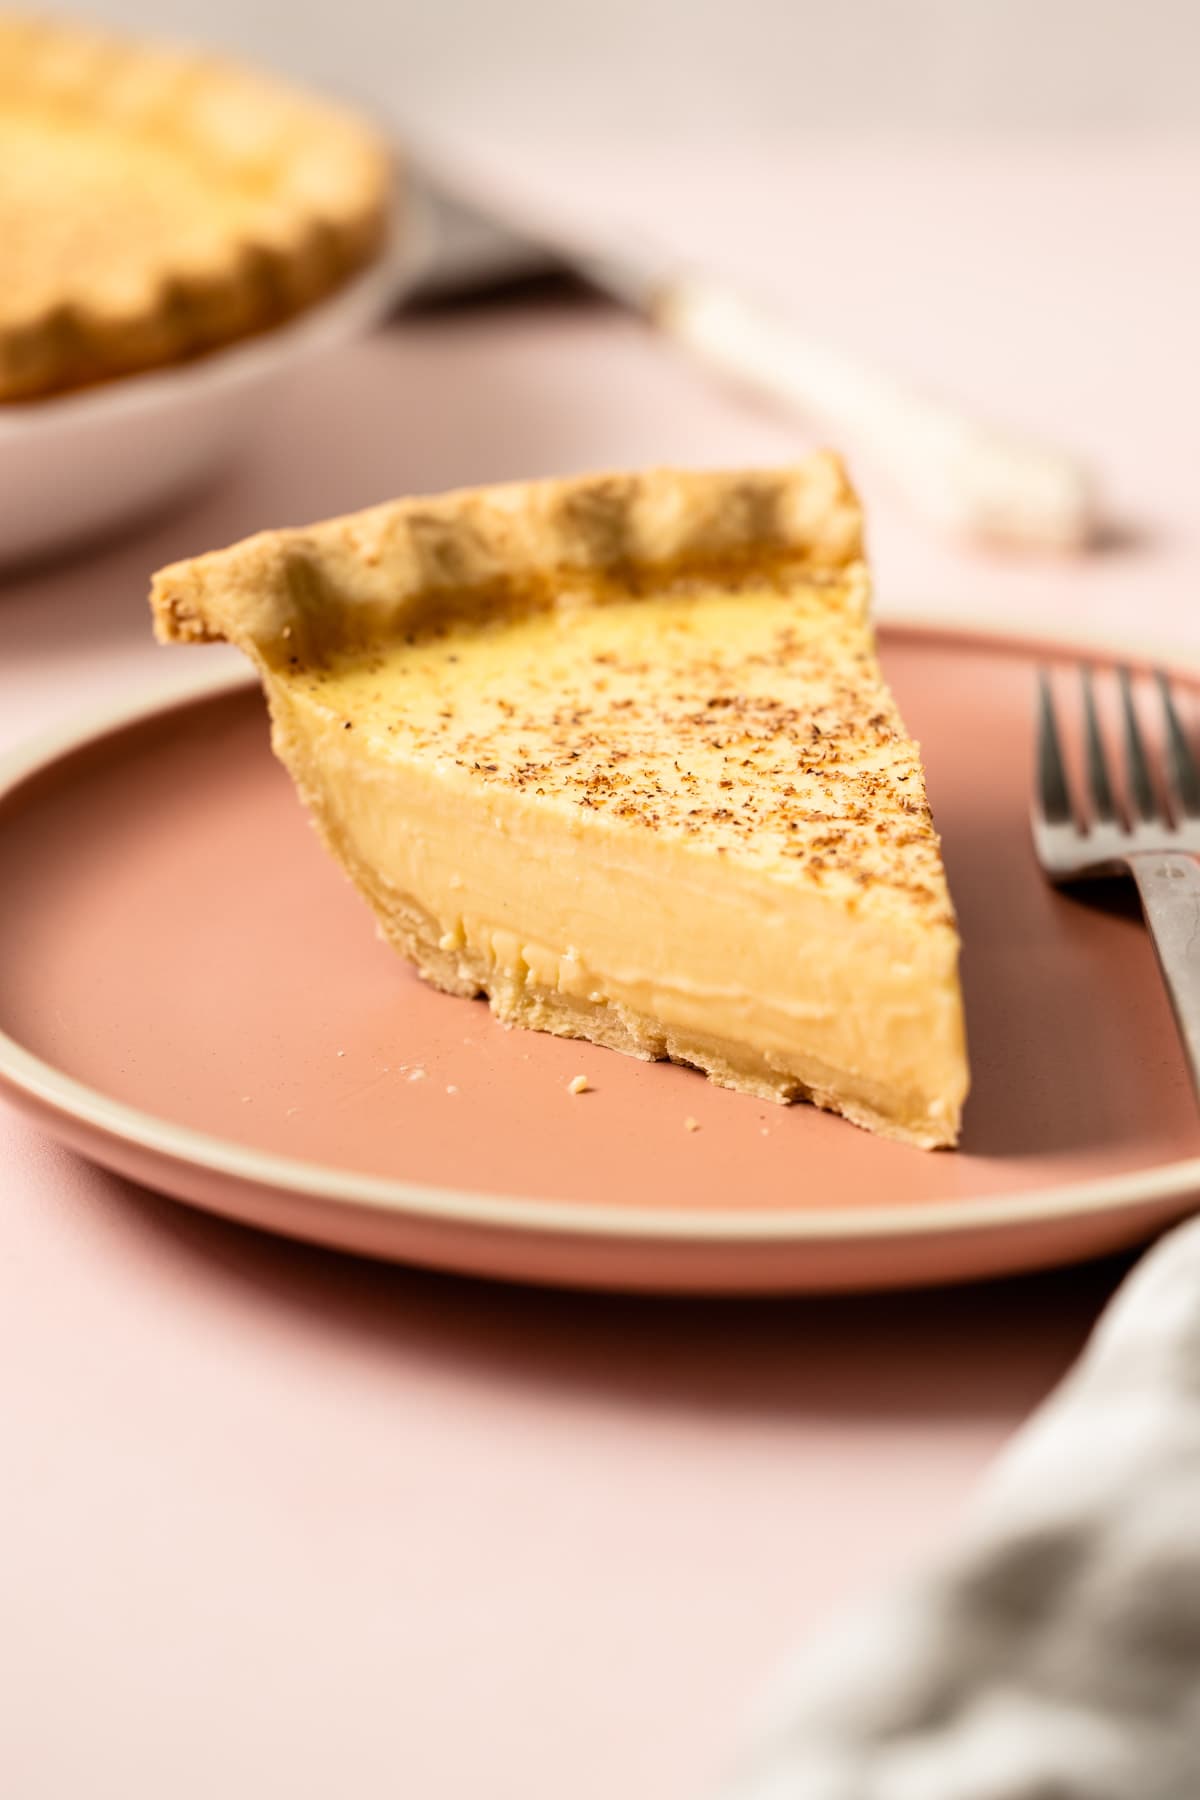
156, 205
310, 591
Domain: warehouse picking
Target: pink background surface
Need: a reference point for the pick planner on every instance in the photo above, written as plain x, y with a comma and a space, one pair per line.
278, 1521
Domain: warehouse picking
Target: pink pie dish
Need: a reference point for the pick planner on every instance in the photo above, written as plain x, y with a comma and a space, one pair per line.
192, 996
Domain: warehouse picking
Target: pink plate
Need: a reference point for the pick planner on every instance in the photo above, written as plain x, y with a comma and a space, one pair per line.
190, 994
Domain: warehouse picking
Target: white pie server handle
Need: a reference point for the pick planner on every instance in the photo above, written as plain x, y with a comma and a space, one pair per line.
962, 475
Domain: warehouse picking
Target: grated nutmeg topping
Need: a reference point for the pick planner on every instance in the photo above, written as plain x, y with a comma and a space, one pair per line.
751, 719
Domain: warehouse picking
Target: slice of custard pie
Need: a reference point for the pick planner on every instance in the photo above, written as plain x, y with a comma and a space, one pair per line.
617, 753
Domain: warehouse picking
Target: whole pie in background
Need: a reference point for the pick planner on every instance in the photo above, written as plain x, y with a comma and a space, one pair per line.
155, 205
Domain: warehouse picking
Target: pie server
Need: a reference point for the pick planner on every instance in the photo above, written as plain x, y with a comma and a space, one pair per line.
966, 476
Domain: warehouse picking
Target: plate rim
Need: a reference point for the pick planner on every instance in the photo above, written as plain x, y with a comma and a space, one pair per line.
27, 1077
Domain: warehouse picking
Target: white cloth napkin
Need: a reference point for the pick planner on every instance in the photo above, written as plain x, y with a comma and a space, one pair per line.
1054, 1654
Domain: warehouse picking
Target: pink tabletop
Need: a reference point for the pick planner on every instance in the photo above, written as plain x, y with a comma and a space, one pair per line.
276, 1521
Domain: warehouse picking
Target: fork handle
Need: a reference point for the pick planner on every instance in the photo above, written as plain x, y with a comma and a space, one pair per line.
1169, 886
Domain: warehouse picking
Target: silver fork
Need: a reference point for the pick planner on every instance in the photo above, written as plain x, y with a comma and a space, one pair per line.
1159, 845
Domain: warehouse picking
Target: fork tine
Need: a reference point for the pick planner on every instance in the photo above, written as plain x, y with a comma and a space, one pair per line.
1141, 787
1099, 785
1053, 796
1185, 777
